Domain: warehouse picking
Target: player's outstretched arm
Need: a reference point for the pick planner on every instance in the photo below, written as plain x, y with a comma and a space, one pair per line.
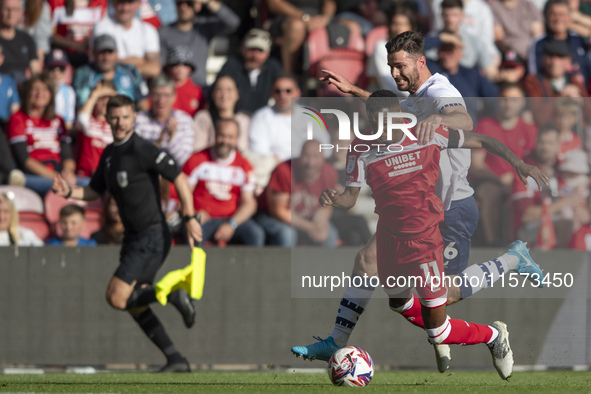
497, 148
62, 188
343, 84
194, 231
455, 117
346, 200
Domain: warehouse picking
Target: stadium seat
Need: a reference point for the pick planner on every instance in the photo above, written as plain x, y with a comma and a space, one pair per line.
54, 203
36, 222
25, 200
338, 49
372, 38
350, 64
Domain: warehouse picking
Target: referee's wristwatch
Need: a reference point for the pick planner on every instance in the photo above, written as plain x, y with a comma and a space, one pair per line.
233, 223
197, 217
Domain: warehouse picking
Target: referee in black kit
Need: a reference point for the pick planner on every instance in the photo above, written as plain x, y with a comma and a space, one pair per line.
129, 169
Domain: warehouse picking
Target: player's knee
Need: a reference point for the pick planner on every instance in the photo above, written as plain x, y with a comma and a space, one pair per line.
366, 262
116, 301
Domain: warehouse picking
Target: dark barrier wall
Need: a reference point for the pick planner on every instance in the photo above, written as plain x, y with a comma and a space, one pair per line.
53, 312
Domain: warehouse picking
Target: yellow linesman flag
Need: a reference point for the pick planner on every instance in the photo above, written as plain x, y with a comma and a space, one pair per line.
191, 279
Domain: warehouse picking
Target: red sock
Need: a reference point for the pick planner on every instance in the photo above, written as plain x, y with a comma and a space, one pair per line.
466, 333
413, 315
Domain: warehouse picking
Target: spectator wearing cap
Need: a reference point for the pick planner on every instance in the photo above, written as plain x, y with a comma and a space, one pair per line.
253, 71
179, 67
55, 64
126, 78
168, 128
478, 52
517, 22
512, 68
557, 18
554, 80
193, 31
72, 26
137, 41
20, 51
493, 176
10, 101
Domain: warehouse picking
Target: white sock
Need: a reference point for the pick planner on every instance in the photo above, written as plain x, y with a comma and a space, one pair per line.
481, 276
353, 303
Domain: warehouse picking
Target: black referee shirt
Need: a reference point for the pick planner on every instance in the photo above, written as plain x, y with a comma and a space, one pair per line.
129, 171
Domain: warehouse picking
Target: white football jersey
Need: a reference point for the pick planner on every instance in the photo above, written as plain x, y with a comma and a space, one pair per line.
432, 97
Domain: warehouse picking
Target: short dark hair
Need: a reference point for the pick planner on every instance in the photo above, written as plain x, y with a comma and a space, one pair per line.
503, 86
550, 3
452, 4
377, 102
403, 9
411, 42
286, 76
120, 101
71, 209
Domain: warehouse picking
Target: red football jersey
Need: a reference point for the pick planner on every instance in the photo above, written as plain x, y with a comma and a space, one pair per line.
189, 98
521, 140
78, 26
218, 182
581, 240
572, 142
43, 137
92, 141
403, 183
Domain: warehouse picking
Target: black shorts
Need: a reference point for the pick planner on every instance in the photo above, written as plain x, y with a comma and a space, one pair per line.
142, 255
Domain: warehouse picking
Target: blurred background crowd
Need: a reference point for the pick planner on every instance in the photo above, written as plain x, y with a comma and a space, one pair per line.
213, 82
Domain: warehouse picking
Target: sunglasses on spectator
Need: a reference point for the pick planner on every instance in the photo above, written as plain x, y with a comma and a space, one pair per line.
61, 68
278, 91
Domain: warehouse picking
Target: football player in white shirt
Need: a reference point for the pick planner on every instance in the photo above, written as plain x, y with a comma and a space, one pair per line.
435, 102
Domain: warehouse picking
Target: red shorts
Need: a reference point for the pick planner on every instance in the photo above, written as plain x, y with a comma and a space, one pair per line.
412, 262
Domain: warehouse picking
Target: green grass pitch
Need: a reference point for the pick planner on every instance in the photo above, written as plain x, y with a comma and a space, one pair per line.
280, 382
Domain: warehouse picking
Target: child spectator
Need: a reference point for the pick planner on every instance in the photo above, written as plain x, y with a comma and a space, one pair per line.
71, 224
94, 133
179, 67
10, 232
65, 98
10, 101
112, 230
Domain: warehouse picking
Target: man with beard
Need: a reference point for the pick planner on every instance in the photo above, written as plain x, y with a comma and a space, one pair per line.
223, 194
129, 169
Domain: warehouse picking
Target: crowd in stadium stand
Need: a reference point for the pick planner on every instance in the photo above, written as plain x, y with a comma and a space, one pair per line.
210, 75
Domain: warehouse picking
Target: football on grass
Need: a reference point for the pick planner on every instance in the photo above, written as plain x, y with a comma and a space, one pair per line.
350, 366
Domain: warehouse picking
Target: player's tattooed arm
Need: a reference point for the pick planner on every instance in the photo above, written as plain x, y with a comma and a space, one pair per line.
497, 148
346, 200
343, 84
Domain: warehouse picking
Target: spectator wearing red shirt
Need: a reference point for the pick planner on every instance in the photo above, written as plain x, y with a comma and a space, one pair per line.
274, 214
527, 201
567, 116
312, 175
94, 133
494, 175
38, 138
223, 193
179, 67
72, 26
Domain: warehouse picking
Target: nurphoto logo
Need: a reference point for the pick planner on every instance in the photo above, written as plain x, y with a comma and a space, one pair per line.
393, 122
